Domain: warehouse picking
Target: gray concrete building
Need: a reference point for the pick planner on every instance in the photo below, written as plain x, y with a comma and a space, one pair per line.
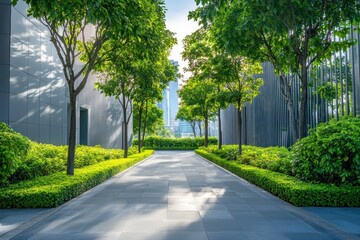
34, 95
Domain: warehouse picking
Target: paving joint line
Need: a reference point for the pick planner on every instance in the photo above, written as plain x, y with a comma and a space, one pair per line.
311, 219
37, 219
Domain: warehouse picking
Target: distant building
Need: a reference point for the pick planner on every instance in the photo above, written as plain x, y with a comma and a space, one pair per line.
170, 105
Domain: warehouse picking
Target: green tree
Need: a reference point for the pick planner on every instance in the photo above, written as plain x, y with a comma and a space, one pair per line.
153, 78
231, 75
126, 71
185, 113
69, 22
291, 34
152, 118
197, 94
240, 84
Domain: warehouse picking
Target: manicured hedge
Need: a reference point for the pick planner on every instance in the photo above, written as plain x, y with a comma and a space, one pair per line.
160, 143
330, 154
288, 188
55, 189
277, 159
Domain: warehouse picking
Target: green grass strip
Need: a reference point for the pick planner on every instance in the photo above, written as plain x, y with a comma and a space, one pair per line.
288, 188
56, 189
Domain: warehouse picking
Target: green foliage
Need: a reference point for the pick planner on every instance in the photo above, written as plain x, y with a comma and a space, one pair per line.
46, 159
289, 188
276, 159
331, 153
53, 190
175, 143
13, 148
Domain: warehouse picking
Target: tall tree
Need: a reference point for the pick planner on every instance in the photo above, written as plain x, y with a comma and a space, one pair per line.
197, 94
240, 82
233, 76
152, 118
131, 59
290, 34
69, 23
152, 78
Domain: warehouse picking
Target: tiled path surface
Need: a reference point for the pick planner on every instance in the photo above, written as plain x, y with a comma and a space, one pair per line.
177, 195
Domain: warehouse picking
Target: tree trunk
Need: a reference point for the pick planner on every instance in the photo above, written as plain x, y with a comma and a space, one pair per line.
199, 125
145, 125
125, 136
303, 102
286, 92
220, 131
139, 129
72, 134
239, 126
206, 139
193, 127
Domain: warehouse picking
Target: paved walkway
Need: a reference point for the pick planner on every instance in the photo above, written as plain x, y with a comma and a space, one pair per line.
177, 195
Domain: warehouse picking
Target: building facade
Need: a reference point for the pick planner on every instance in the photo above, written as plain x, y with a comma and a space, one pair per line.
34, 95
334, 91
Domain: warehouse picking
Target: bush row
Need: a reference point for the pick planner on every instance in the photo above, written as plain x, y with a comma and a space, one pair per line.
289, 188
331, 153
160, 143
55, 189
276, 159
22, 159
45, 159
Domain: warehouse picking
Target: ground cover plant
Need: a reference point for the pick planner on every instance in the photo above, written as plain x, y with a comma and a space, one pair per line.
288, 188
160, 143
22, 159
276, 159
55, 189
322, 169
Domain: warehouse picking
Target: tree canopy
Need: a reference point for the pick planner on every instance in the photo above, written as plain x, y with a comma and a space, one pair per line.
291, 34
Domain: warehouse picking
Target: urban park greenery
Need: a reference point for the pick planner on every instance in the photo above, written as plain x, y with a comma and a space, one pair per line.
161, 143
327, 161
33, 174
55, 189
293, 40
218, 79
87, 32
288, 188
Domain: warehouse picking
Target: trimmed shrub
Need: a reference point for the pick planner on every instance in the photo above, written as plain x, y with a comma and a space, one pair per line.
330, 154
13, 148
160, 143
290, 188
55, 189
276, 159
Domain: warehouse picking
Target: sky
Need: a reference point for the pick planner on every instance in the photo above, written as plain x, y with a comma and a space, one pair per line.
177, 22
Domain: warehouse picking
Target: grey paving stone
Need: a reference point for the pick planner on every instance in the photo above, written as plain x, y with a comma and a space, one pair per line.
178, 215
175, 195
307, 236
97, 236
227, 236
184, 225
246, 214
221, 225
142, 235
210, 206
182, 207
154, 200
216, 214
180, 235
140, 225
